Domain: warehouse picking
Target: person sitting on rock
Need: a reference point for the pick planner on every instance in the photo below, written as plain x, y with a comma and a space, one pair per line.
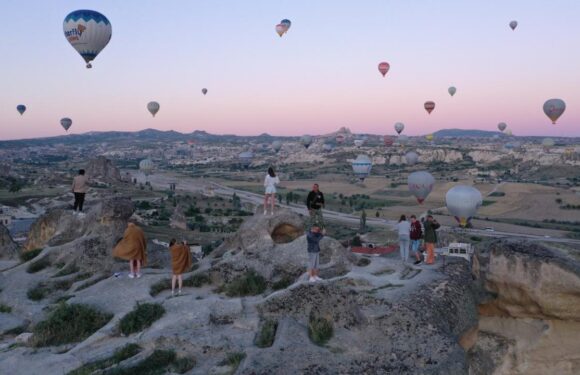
270, 183
313, 238
79, 189
315, 204
180, 263
132, 247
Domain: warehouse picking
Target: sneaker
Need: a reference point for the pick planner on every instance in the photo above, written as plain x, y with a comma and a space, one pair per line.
138, 275
131, 276
179, 292
316, 278
173, 293
312, 280
417, 262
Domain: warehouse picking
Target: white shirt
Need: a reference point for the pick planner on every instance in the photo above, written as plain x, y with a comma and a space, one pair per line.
271, 181
404, 228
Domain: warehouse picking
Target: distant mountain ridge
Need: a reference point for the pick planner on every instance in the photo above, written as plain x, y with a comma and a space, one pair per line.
466, 133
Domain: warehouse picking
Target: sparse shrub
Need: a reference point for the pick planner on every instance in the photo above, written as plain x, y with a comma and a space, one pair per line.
68, 270
5, 308
320, 329
283, 283
15, 331
141, 317
233, 360
183, 365
39, 265
363, 262
121, 354
248, 284
69, 323
157, 363
197, 280
267, 334
37, 292
159, 287
28, 255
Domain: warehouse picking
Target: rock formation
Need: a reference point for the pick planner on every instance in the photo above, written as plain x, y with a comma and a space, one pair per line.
103, 169
8, 248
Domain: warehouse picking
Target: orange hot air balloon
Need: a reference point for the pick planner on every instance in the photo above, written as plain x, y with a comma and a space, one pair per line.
384, 68
429, 106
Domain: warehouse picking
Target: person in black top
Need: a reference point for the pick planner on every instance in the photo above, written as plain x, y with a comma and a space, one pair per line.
315, 204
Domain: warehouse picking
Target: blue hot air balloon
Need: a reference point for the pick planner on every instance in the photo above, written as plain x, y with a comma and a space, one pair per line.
88, 32
21, 108
286, 23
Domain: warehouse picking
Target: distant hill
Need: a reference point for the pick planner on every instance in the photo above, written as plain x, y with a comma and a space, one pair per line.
466, 133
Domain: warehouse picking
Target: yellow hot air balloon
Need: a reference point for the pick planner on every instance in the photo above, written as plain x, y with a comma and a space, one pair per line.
429, 137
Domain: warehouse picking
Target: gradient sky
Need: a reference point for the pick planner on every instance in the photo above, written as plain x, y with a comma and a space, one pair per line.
320, 76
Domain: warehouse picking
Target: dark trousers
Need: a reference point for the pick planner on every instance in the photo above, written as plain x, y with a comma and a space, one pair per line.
79, 201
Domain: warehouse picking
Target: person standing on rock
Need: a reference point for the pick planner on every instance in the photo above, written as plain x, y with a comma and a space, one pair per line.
79, 189
431, 225
313, 238
180, 263
270, 183
404, 228
132, 247
416, 235
315, 204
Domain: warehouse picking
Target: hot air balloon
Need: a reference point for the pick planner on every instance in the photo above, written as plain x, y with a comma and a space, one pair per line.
429, 106
66, 123
452, 90
153, 107
509, 132
502, 126
146, 165
277, 146
280, 29
547, 143
327, 147
21, 108
388, 140
361, 167
554, 108
286, 24
340, 139
462, 202
384, 68
420, 185
403, 140
359, 142
399, 127
306, 141
246, 158
411, 158
513, 25
429, 137
204, 91
88, 32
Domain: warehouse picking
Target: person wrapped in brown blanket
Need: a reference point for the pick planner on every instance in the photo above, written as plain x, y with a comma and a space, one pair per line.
132, 247
180, 263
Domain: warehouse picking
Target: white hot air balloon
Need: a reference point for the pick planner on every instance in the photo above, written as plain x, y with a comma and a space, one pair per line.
462, 201
359, 142
146, 165
306, 141
548, 143
88, 32
327, 147
399, 127
276, 146
403, 140
420, 184
361, 167
153, 108
411, 158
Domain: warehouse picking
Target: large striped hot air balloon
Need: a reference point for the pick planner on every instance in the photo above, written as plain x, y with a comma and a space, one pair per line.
361, 167
146, 165
88, 32
554, 108
153, 108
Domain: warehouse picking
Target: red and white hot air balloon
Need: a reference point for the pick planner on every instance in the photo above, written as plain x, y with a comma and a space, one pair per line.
384, 68
429, 106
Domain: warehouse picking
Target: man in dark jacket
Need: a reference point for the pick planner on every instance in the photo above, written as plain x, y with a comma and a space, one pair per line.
313, 238
431, 225
315, 204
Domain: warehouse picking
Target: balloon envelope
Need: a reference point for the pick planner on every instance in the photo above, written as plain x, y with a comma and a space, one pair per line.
146, 165
306, 141
399, 127
281, 29
204, 91
361, 167
153, 108
384, 68
403, 139
411, 158
327, 147
429, 137
359, 142
452, 90
21, 108
286, 23
502, 126
340, 139
277, 145
420, 184
429, 106
246, 158
548, 142
66, 123
88, 32
388, 140
462, 201
513, 25
554, 108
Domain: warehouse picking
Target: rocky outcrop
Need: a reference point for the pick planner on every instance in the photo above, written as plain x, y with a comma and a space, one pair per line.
103, 169
8, 248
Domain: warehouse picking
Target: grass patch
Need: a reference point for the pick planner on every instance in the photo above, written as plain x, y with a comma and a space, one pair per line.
249, 284
283, 283
16, 331
267, 334
156, 364
320, 329
69, 323
363, 262
29, 255
38, 292
141, 317
487, 202
5, 308
497, 194
384, 271
233, 360
68, 270
159, 287
39, 265
91, 282
121, 354
183, 365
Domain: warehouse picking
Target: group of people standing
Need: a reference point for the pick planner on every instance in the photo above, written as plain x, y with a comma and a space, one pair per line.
412, 233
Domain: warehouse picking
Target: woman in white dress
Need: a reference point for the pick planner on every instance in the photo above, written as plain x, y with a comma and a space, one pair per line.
270, 183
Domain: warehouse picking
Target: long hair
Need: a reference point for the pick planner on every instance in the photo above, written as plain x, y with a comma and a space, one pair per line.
403, 218
271, 172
